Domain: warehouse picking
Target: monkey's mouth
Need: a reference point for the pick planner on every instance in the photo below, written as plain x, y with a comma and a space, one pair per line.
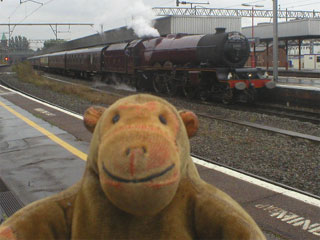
140, 180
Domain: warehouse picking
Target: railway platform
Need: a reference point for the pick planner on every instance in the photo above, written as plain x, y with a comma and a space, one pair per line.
43, 151
299, 91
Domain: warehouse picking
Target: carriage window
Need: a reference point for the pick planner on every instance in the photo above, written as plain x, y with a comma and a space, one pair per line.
318, 58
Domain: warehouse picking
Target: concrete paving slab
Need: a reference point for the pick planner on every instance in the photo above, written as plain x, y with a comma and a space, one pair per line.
53, 116
40, 170
8, 146
286, 216
296, 219
32, 165
233, 186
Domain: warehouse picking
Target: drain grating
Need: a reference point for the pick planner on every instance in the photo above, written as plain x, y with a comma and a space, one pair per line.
3, 187
9, 203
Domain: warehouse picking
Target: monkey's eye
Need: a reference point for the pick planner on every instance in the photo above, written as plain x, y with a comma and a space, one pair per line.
163, 120
116, 118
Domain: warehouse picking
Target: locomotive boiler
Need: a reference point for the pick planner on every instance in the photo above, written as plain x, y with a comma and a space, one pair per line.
205, 66
212, 50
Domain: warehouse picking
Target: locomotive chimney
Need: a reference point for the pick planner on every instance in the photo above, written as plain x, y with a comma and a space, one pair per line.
220, 30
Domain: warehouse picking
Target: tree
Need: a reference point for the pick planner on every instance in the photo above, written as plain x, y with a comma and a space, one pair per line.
19, 43
52, 42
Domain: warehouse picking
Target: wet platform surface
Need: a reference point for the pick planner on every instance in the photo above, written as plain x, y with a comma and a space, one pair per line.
34, 166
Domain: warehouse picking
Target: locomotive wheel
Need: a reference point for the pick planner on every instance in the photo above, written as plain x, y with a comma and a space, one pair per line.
144, 82
160, 83
171, 86
140, 84
251, 95
227, 97
204, 95
188, 90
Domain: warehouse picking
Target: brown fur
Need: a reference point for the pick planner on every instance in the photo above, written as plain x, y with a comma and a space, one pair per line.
139, 183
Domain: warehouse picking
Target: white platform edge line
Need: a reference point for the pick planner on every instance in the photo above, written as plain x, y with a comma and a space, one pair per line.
258, 182
289, 193
45, 104
298, 87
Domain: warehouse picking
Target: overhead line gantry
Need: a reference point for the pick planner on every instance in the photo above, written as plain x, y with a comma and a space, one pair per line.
53, 26
226, 12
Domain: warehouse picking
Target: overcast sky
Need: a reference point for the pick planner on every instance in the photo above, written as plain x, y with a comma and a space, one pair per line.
112, 13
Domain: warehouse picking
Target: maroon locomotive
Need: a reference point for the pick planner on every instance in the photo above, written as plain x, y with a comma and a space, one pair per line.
202, 66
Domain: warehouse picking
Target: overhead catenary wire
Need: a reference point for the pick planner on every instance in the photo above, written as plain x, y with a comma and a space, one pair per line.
301, 5
14, 11
245, 2
44, 4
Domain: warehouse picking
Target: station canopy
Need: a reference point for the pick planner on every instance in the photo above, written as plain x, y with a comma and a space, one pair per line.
291, 30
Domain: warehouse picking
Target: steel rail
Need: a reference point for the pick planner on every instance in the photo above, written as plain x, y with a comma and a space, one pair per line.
263, 127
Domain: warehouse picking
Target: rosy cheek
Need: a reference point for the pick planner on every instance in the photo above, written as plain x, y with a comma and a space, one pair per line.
7, 234
171, 181
106, 181
158, 156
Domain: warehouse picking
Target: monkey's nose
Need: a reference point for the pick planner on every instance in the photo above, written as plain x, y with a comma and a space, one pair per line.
137, 150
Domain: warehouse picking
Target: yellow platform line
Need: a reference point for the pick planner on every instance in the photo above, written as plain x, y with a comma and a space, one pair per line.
45, 132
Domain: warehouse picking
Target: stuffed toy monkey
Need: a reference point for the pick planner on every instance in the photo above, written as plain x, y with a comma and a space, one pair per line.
139, 183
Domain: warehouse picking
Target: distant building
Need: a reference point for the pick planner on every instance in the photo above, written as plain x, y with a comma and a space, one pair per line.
265, 59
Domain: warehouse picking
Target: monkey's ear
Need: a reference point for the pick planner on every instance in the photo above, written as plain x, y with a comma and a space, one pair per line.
92, 116
191, 122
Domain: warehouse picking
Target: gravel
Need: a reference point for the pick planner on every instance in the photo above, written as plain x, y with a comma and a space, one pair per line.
287, 160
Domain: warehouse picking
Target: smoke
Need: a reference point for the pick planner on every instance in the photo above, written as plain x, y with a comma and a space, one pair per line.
131, 13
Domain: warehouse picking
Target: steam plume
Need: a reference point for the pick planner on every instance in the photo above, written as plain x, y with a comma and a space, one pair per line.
133, 13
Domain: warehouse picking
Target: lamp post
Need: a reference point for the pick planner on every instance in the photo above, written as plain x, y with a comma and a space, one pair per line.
253, 61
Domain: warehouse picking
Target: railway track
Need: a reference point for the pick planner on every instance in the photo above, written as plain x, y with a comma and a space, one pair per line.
312, 117
284, 112
293, 114
263, 127
301, 115
279, 111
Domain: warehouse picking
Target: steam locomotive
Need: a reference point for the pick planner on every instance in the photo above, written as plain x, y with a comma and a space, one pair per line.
203, 66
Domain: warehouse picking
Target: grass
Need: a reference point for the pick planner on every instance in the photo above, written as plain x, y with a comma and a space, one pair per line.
3, 218
26, 74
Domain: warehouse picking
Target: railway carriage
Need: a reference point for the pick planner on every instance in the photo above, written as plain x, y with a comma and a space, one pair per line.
57, 62
84, 62
40, 62
35, 61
